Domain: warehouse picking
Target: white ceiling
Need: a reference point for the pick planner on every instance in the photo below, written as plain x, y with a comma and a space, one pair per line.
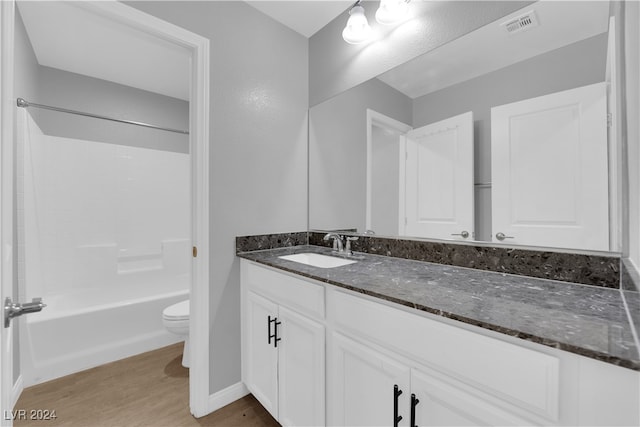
491, 47
303, 16
69, 37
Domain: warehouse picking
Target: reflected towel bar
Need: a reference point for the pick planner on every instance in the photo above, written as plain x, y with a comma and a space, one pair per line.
24, 104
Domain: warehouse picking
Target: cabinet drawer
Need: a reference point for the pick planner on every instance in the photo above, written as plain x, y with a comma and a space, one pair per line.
300, 295
523, 377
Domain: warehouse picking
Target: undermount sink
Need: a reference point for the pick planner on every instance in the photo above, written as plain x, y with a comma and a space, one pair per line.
318, 260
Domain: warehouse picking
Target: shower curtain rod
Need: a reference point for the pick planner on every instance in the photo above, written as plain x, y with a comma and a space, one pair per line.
24, 104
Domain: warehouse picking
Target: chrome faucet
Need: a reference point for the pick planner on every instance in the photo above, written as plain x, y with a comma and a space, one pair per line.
337, 241
338, 246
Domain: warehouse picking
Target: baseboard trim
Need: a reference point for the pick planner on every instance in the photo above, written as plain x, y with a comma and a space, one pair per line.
16, 391
226, 396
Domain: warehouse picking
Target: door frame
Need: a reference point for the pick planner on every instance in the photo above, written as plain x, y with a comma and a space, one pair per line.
377, 119
198, 46
7, 113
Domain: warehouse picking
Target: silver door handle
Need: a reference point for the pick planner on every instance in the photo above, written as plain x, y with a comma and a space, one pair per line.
464, 234
502, 236
12, 309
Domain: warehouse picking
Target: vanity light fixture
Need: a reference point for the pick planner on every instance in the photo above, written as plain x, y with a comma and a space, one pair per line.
357, 30
392, 11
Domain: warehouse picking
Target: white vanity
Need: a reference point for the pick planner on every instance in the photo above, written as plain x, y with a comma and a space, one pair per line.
318, 351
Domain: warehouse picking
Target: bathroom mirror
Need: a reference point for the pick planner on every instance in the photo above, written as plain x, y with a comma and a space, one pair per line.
355, 184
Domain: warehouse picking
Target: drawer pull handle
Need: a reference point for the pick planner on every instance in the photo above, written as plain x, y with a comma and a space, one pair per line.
275, 335
396, 393
414, 402
273, 320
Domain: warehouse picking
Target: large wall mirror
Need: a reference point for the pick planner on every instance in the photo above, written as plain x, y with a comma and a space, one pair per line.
503, 135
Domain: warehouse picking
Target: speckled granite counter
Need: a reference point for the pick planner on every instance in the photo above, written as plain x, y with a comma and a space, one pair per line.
587, 320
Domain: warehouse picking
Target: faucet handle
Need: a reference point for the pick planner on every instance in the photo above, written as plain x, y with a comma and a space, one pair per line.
350, 239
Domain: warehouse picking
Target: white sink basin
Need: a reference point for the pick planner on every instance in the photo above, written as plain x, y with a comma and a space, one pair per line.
317, 260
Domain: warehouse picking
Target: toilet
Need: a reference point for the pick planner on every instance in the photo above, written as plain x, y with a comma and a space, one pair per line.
176, 320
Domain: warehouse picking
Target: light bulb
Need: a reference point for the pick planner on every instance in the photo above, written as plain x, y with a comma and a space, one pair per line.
357, 30
392, 11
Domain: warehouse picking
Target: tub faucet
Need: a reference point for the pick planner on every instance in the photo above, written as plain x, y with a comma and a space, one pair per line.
337, 241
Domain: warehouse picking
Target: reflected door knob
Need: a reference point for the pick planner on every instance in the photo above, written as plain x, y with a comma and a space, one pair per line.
501, 236
464, 234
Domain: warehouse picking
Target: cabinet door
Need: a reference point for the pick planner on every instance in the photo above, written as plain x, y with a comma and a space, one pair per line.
361, 385
300, 370
441, 403
261, 365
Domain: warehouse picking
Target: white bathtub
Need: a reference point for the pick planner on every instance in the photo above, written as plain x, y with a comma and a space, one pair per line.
90, 327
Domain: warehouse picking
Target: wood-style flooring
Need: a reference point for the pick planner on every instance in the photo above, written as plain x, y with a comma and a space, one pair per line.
150, 389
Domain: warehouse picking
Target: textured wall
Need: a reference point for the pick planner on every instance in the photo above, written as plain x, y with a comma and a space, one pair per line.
335, 66
259, 84
338, 152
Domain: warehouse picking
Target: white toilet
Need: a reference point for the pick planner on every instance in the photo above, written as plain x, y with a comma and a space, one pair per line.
176, 320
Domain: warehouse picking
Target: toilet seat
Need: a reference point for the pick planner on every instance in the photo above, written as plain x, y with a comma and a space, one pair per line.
176, 312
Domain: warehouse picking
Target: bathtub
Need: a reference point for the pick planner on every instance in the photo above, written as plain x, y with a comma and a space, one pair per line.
90, 327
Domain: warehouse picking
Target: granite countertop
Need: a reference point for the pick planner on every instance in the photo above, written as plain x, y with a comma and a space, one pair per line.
587, 320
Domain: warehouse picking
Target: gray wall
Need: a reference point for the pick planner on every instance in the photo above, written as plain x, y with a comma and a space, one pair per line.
576, 65
259, 86
337, 152
87, 94
335, 66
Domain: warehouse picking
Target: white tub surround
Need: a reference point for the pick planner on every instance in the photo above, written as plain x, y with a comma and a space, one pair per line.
104, 239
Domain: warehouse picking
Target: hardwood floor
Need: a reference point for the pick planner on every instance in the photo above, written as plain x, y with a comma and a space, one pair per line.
151, 389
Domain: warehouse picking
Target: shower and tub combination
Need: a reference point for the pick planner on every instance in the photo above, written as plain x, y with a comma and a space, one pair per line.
104, 239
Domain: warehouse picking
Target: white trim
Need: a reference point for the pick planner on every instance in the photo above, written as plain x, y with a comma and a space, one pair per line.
377, 119
614, 150
7, 113
17, 391
402, 190
227, 396
199, 146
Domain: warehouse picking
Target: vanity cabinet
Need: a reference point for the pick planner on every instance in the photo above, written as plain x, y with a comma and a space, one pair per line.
458, 377
446, 372
282, 349
368, 387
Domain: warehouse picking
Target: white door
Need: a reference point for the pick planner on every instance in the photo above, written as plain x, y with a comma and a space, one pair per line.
440, 403
261, 377
300, 370
549, 170
362, 386
437, 180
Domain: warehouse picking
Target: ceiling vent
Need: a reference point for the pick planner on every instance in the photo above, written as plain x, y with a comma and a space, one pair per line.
521, 23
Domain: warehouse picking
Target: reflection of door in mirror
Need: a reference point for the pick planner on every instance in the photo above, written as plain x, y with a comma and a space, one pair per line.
549, 170
437, 180
383, 172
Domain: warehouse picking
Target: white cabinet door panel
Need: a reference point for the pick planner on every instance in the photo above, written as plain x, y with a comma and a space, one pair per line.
549, 170
443, 404
361, 391
438, 180
261, 377
301, 370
